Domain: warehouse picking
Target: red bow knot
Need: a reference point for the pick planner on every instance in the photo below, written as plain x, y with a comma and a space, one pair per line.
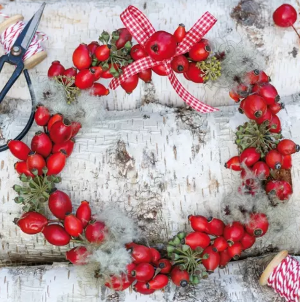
141, 29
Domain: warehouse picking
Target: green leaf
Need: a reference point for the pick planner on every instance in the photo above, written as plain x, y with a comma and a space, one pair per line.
35, 172
24, 178
19, 200
104, 37
45, 170
105, 66
205, 256
170, 248
115, 35
128, 45
185, 247
181, 235
17, 188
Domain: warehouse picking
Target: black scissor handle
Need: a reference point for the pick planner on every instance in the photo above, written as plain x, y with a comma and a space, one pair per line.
13, 78
31, 117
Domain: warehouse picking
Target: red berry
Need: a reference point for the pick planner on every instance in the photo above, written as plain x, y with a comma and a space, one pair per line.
41, 144
144, 272
84, 213
75, 128
102, 53
99, 90
220, 244
137, 52
247, 241
250, 156
256, 76
179, 33
78, 255
224, 258
56, 162
234, 232
213, 259
130, 83
61, 131
180, 64
286, 162
180, 277
235, 250
21, 168
275, 124
130, 267
68, 73
254, 106
261, 170
282, 189
55, 69
195, 74
285, 15
97, 72
92, 47
35, 161
85, 78
257, 225
268, 92
124, 37
155, 255
142, 288
164, 266
73, 225
146, 75
95, 232
158, 282
266, 117
215, 227
197, 239
199, 223
56, 235
234, 95
82, 57
234, 164
275, 108
140, 253
53, 119
119, 283
160, 70
32, 222
67, 146
287, 147
60, 204
274, 159
200, 51
161, 46
18, 149
41, 115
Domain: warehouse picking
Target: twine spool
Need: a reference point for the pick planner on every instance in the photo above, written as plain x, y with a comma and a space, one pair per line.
10, 29
283, 275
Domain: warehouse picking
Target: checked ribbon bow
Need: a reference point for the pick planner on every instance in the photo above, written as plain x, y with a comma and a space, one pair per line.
141, 29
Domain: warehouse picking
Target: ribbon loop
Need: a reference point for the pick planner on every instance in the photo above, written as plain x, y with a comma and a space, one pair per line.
137, 24
141, 29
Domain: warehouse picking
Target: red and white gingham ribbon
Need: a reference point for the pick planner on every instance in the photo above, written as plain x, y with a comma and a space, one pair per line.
10, 35
285, 279
141, 29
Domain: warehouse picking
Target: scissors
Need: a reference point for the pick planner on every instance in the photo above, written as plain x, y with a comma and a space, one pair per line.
15, 57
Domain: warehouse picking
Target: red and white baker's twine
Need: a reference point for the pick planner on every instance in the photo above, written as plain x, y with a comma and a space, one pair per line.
10, 35
141, 29
285, 279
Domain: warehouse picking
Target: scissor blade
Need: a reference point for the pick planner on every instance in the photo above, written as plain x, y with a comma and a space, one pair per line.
29, 30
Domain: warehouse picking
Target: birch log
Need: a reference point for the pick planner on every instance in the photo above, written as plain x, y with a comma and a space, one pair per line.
238, 282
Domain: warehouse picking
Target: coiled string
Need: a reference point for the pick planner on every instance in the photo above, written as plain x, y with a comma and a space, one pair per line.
285, 279
9, 36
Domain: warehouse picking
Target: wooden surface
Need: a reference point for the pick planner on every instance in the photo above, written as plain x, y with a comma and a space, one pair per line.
176, 157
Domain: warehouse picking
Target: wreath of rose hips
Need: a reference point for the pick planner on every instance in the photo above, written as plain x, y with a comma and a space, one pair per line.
186, 259
107, 57
263, 153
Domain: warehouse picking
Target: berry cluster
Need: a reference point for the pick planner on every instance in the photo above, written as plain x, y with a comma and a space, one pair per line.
107, 60
212, 244
263, 151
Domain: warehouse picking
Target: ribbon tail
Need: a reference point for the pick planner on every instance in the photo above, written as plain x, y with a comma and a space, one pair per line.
188, 98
